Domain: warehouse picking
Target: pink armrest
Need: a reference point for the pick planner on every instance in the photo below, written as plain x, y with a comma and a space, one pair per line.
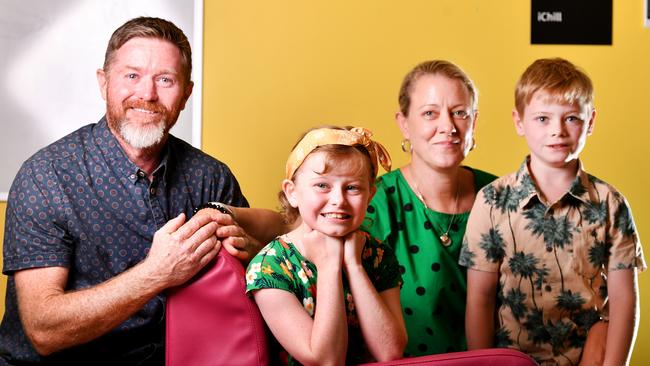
211, 321
482, 357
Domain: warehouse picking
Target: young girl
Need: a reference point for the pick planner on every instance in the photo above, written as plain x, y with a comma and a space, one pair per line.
329, 182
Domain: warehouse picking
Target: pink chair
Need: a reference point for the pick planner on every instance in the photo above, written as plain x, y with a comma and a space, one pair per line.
482, 357
211, 321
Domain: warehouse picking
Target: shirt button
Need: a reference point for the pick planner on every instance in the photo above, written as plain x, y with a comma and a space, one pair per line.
152, 190
141, 173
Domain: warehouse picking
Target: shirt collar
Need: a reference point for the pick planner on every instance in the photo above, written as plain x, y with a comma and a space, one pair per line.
524, 184
166, 160
112, 151
580, 186
528, 188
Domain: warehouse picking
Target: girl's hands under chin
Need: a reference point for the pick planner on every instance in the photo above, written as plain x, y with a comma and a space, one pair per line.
353, 246
322, 250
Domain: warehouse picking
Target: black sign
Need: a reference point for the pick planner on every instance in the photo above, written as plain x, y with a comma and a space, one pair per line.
571, 22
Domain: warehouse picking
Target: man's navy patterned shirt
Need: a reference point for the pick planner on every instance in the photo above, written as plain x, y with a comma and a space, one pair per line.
80, 203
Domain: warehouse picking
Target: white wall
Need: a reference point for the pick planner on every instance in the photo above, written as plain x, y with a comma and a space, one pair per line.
50, 52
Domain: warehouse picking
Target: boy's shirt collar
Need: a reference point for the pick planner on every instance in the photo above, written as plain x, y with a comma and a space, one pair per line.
527, 189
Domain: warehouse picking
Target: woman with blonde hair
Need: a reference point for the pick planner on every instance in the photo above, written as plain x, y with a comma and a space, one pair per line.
421, 209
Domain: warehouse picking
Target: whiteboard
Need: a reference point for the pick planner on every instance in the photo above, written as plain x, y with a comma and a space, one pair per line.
50, 53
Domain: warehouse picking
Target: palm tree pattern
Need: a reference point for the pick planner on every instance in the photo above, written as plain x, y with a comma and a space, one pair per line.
552, 259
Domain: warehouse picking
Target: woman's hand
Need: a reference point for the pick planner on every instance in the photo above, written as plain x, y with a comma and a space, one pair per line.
234, 238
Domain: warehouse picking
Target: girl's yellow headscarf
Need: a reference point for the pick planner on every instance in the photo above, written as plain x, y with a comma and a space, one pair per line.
331, 136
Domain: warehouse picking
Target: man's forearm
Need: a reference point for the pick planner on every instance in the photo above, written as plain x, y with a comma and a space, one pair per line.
58, 320
55, 319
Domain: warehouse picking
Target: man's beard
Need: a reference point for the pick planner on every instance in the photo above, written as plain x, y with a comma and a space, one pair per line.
141, 135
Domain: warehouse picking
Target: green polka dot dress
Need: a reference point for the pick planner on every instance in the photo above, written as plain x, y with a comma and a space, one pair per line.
433, 293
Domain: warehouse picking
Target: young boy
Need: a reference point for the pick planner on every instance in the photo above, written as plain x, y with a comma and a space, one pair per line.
560, 244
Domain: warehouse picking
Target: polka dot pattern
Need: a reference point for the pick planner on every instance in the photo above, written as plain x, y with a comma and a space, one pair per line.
80, 203
433, 293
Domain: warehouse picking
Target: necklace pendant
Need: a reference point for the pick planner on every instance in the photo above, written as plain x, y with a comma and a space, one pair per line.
445, 239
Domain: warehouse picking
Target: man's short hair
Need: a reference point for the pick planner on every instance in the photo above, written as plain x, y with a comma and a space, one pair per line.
148, 27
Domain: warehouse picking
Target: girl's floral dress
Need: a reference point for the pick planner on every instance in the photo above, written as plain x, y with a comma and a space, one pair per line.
280, 265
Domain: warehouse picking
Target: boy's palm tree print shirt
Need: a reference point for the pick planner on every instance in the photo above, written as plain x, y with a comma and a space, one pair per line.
552, 259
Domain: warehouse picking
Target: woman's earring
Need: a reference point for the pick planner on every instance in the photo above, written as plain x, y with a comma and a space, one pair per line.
406, 146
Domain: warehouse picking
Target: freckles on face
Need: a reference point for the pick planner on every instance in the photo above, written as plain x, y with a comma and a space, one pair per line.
332, 196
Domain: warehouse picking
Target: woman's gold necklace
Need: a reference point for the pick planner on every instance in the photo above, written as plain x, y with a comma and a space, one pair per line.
445, 239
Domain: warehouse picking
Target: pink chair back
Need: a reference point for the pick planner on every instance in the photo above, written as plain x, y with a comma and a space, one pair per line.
482, 357
211, 321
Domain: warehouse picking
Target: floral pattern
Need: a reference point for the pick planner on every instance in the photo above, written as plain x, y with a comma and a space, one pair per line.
280, 265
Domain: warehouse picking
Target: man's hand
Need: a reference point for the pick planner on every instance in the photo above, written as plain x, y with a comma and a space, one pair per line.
56, 319
180, 249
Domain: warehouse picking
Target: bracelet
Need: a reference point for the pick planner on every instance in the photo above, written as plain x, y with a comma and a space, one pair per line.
217, 206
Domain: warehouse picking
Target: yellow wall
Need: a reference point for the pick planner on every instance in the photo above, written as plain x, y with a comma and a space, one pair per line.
276, 68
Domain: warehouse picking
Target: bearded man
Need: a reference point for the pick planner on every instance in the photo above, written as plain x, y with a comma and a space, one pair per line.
96, 224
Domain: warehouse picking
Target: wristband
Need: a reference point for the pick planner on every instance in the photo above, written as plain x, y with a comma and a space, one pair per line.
217, 206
